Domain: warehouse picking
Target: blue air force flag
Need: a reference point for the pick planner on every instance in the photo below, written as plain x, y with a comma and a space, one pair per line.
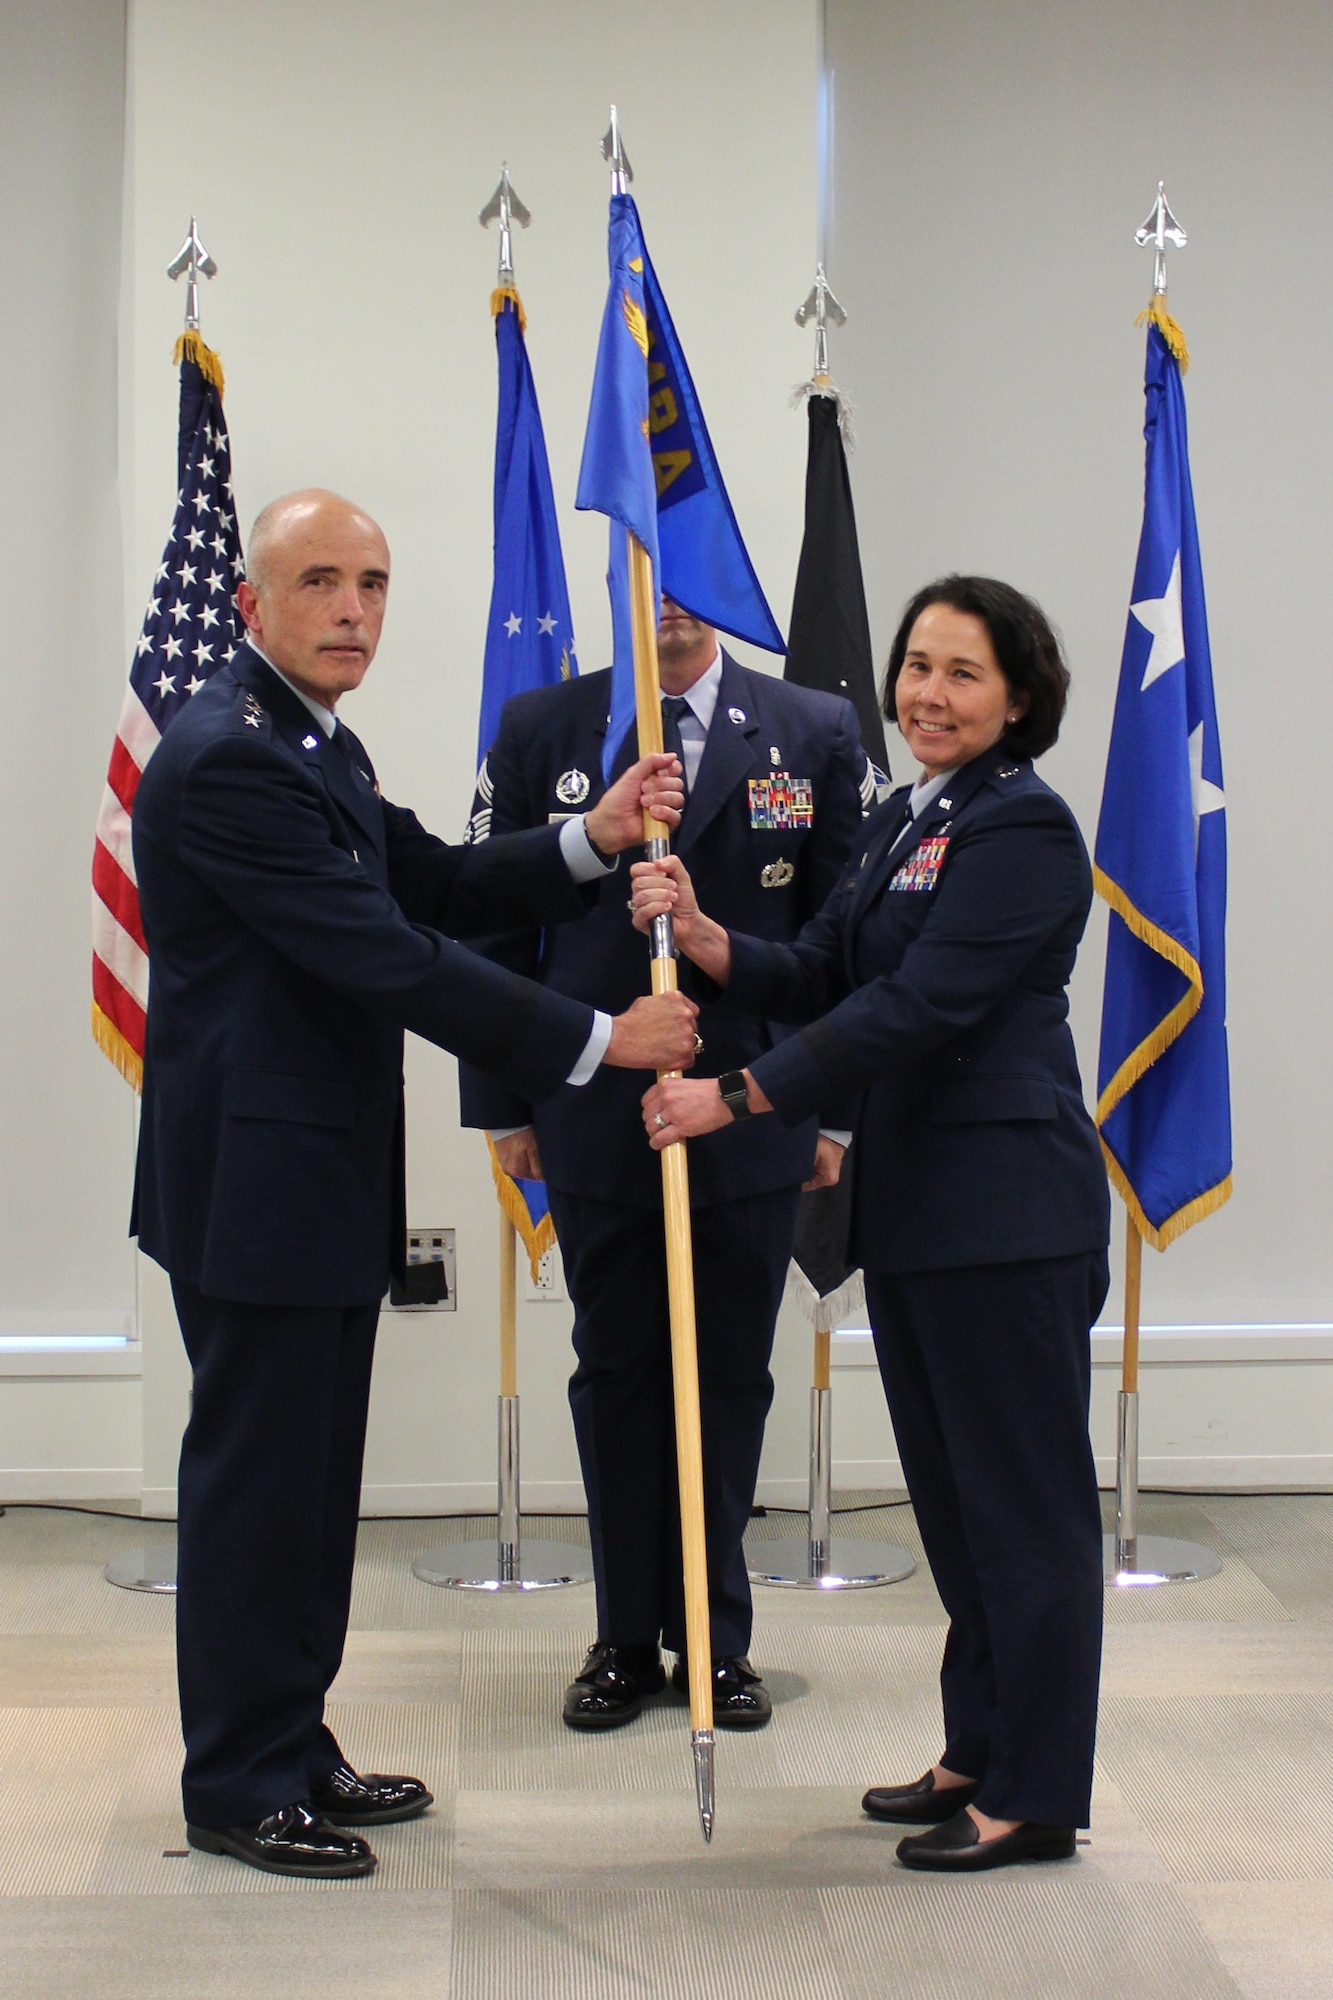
649, 464
1163, 1093
529, 636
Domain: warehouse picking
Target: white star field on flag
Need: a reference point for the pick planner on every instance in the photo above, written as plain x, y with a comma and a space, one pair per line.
196, 620
190, 629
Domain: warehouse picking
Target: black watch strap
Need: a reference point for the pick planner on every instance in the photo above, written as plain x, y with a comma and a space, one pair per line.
732, 1091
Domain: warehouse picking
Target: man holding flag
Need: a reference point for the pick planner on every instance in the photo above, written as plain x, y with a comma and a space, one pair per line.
773, 803
296, 923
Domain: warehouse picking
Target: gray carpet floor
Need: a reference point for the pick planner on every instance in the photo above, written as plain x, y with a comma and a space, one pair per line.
555, 1867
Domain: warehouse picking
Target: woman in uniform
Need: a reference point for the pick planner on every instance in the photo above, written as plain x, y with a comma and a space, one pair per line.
934, 983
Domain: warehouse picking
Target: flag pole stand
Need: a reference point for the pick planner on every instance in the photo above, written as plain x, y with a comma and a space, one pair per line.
679, 1243
819, 1561
151, 1569
507, 1563
1133, 1561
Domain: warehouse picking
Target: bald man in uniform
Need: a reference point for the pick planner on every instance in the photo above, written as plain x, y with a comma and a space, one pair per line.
296, 924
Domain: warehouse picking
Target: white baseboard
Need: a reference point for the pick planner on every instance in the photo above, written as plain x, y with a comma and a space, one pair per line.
70, 1482
1221, 1475
565, 1496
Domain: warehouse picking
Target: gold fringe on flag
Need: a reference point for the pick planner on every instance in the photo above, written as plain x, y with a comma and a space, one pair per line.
1141, 1059
1157, 315
189, 347
1175, 1225
116, 1049
498, 297
537, 1238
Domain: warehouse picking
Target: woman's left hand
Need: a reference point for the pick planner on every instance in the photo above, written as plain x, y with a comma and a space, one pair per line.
682, 1108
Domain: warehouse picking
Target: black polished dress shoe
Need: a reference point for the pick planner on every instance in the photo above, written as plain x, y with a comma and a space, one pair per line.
740, 1699
349, 1800
296, 1840
613, 1685
956, 1847
923, 1804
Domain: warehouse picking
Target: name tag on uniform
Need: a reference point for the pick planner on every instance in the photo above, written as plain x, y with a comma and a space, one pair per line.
922, 868
779, 803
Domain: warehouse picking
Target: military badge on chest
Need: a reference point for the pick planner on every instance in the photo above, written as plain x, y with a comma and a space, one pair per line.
781, 804
921, 870
572, 788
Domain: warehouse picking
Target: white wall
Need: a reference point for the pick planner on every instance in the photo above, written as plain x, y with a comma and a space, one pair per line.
66, 1119
992, 164
990, 168
336, 159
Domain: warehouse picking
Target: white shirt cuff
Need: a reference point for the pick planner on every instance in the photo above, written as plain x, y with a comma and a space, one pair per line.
843, 1139
498, 1132
583, 861
598, 1042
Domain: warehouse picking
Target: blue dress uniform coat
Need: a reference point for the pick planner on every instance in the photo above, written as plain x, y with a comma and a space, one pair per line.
935, 984
293, 921
767, 862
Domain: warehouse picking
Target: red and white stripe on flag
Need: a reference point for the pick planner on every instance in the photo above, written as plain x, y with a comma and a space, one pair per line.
190, 629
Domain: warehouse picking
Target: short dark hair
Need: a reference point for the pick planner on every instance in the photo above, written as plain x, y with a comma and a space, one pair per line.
1027, 649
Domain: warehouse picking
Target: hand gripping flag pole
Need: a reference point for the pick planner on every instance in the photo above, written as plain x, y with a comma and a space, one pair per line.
529, 643
636, 452
190, 630
829, 648
1163, 1107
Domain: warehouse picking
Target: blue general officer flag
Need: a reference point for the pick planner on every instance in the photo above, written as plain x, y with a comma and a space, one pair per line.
529, 636
1164, 1108
649, 464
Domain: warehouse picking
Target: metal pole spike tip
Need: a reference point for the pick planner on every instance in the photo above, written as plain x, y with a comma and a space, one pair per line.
505, 208
193, 260
1159, 228
504, 205
613, 152
705, 1795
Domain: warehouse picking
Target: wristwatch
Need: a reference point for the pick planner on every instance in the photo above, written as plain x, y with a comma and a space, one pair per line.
731, 1089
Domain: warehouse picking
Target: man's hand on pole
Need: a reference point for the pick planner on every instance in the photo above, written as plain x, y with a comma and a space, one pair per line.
657, 1032
518, 1155
655, 785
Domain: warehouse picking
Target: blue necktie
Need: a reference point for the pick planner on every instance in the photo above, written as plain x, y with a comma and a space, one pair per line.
673, 708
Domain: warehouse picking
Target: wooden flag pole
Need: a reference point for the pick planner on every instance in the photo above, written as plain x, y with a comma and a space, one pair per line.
679, 1250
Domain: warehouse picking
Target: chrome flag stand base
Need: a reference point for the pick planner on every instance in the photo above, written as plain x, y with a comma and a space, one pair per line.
819, 1562
1132, 1561
507, 1563
145, 1569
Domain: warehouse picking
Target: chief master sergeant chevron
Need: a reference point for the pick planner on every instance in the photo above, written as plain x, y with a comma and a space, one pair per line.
293, 920
776, 782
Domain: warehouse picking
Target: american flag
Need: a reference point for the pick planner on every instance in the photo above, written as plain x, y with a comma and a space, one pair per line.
190, 629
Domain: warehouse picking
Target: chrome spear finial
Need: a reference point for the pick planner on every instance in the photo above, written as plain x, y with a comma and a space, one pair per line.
192, 258
1159, 229
823, 308
613, 151
505, 208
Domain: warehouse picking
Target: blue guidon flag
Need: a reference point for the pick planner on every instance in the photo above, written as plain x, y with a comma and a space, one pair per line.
190, 629
529, 635
1164, 1109
649, 464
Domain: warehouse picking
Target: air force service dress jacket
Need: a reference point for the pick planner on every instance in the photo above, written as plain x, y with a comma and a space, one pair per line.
761, 860
293, 920
935, 982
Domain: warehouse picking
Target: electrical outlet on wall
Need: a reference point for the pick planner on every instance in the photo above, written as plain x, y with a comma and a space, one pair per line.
431, 1282
550, 1280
